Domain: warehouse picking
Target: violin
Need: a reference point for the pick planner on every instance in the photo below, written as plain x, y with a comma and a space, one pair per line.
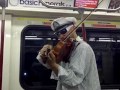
63, 48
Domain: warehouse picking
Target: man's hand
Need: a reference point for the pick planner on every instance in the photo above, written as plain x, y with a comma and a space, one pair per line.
52, 62
44, 52
52, 59
49, 58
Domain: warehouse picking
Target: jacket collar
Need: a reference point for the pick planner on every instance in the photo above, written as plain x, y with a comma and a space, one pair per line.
78, 38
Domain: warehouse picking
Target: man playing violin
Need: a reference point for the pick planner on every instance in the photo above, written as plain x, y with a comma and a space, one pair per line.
79, 71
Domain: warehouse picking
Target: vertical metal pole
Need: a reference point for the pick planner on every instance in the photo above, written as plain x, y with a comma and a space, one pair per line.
84, 32
2, 44
81, 12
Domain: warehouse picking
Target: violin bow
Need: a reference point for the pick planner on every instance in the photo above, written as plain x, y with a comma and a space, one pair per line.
77, 26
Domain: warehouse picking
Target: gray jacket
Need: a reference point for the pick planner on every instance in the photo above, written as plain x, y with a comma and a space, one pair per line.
81, 72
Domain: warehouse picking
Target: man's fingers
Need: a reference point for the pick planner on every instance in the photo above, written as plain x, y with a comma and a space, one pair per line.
47, 46
51, 55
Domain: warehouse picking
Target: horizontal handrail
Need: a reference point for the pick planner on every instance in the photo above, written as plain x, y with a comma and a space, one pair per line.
79, 8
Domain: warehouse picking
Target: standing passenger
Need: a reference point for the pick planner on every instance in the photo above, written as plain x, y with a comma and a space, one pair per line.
79, 71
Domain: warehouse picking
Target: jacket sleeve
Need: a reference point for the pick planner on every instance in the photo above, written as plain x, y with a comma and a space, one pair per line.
40, 60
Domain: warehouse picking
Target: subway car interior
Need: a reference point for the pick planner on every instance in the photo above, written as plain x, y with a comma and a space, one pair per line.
105, 43
25, 29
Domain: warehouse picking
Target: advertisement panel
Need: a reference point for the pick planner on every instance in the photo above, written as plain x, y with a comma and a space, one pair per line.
114, 4
37, 3
86, 3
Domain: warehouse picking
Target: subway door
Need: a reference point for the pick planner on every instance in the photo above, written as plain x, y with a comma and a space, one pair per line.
26, 73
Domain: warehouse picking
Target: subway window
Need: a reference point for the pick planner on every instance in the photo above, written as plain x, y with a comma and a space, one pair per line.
32, 74
106, 46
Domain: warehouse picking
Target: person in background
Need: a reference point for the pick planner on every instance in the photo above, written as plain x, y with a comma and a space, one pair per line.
79, 72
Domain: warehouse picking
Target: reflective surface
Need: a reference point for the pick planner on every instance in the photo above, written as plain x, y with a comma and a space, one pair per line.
106, 45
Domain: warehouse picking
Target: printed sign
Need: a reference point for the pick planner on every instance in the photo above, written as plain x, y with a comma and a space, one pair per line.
103, 24
114, 4
37, 3
86, 3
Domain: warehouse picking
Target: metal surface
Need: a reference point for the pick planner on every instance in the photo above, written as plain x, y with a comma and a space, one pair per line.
2, 44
